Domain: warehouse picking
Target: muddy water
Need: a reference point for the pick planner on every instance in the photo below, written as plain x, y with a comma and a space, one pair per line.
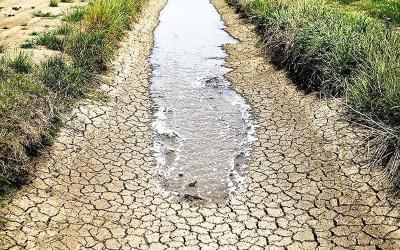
202, 127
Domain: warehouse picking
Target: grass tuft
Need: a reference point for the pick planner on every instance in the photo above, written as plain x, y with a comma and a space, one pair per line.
2, 48
112, 16
28, 44
23, 125
21, 63
340, 52
64, 29
54, 3
30, 99
76, 15
90, 50
387, 10
63, 79
98, 96
43, 14
5, 70
51, 40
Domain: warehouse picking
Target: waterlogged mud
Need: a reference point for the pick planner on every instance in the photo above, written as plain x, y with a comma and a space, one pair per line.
202, 127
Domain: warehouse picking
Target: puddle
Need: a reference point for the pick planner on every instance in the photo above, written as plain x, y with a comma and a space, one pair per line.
202, 127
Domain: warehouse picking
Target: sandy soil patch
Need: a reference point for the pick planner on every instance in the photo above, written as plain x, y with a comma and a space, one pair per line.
19, 23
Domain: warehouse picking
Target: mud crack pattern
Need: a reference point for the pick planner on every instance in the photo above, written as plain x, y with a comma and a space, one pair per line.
306, 188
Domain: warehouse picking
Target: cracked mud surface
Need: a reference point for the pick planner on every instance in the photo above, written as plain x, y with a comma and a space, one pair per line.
306, 187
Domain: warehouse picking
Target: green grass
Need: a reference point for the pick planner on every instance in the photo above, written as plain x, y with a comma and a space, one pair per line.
21, 63
51, 40
388, 10
75, 15
63, 79
98, 96
111, 16
54, 3
28, 44
339, 52
5, 70
64, 29
43, 14
2, 48
103, 23
90, 50
23, 126
32, 95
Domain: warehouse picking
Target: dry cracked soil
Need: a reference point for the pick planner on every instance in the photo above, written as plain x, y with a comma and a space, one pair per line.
307, 185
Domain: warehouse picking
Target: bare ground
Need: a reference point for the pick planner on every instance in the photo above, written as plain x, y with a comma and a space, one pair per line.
307, 186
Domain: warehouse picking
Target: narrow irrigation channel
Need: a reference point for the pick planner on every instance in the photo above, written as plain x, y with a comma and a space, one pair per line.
307, 184
202, 127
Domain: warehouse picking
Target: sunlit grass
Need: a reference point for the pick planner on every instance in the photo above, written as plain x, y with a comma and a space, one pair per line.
2, 48
32, 95
51, 40
22, 62
54, 3
75, 15
388, 10
338, 51
43, 14
63, 79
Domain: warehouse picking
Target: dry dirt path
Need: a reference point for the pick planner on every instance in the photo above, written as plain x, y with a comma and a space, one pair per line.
306, 185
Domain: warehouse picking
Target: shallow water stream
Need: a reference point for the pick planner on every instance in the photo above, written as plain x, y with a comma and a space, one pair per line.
202, 127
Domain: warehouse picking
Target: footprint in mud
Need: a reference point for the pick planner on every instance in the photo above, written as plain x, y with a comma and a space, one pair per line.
190, 197
236, 173
239, 161
170, 157
170, 135
214, 82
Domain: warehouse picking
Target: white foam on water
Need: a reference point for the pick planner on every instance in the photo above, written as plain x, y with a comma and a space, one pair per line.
203, 129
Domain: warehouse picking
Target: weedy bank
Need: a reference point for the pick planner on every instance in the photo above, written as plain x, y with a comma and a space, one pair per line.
342, 53
32, 96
